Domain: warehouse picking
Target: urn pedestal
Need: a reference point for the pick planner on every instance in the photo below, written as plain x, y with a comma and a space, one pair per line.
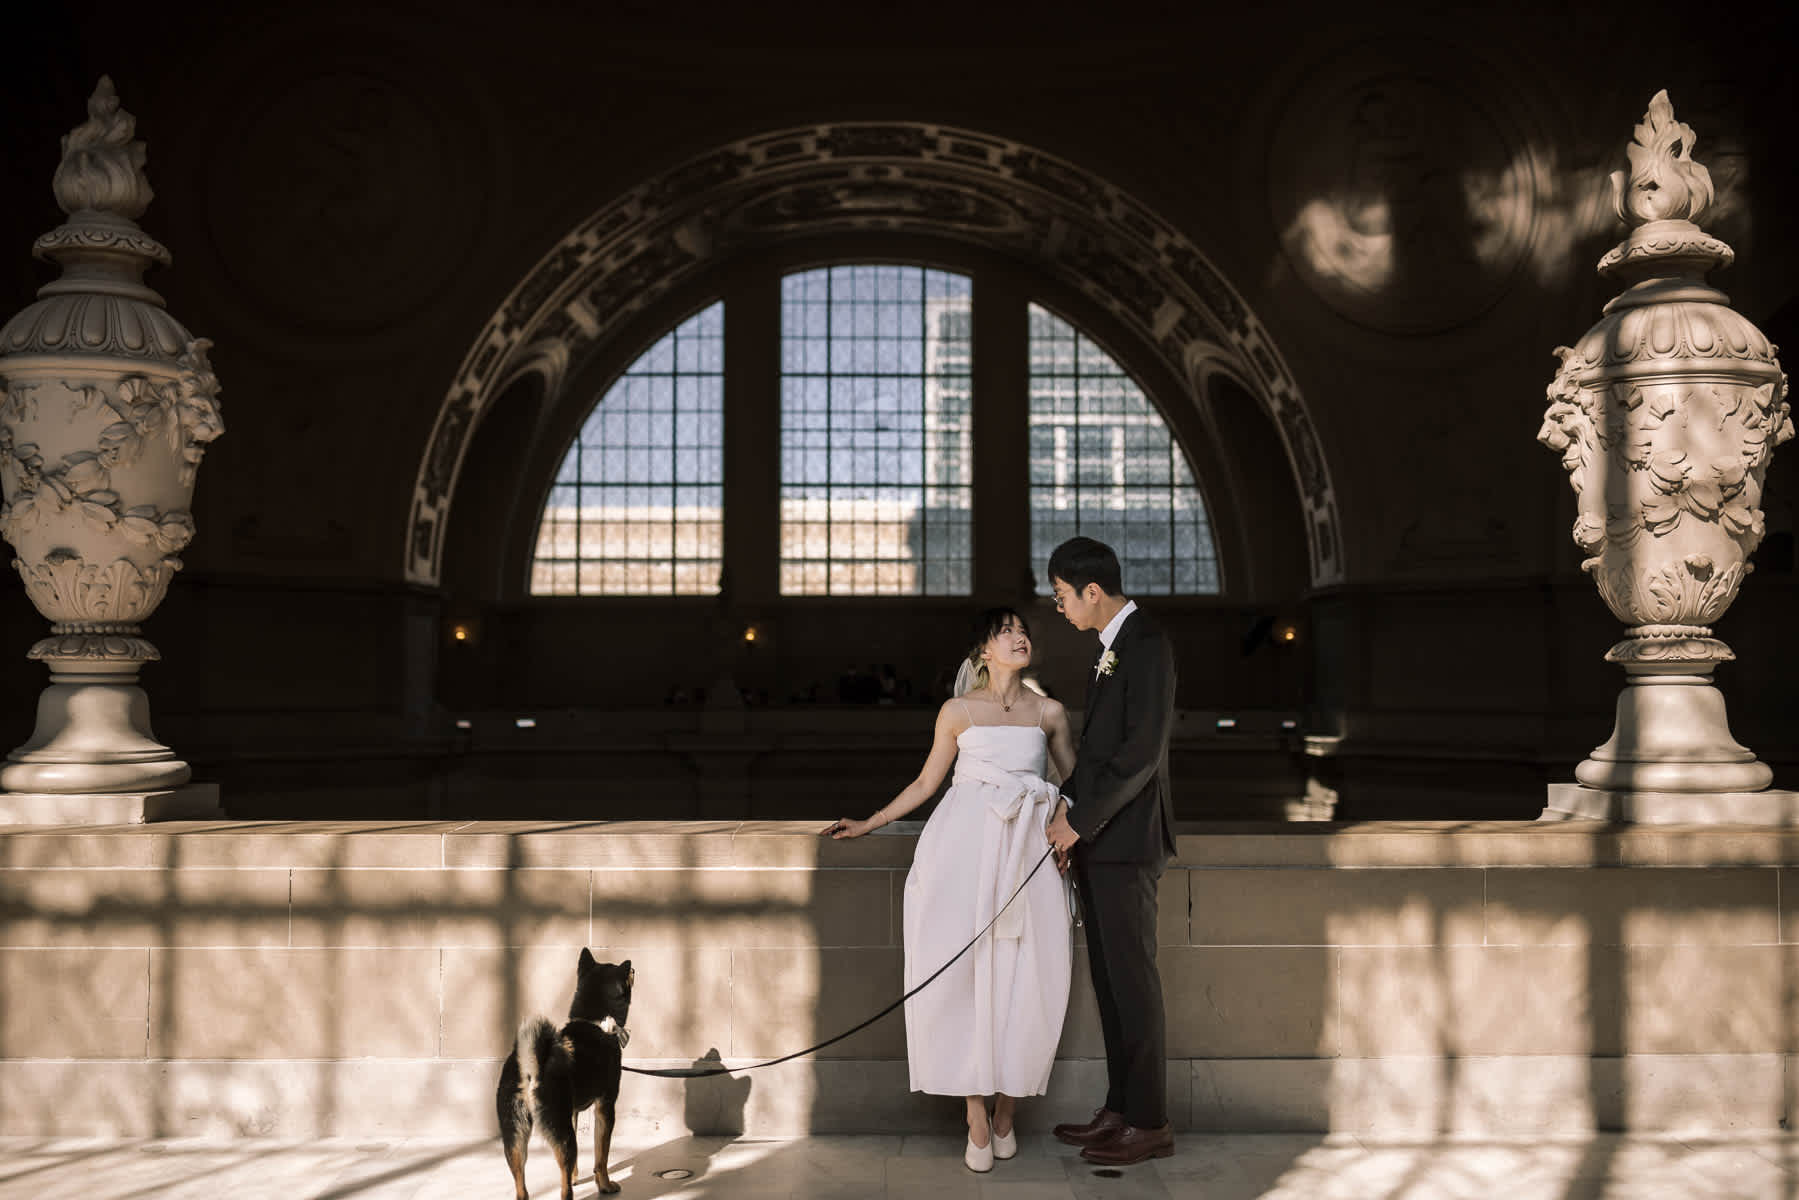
106, 406
1666, 415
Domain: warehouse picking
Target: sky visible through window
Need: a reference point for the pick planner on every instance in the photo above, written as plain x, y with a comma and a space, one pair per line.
876, 432
1105, 465
637, 508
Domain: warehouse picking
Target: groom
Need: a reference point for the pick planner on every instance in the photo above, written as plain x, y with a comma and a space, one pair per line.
1119, 828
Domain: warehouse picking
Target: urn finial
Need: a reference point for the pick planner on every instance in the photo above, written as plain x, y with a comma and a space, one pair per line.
102, 168
1661, 199
1666, 183
101, 185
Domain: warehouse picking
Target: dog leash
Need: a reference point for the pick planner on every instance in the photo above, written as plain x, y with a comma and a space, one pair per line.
721, 1069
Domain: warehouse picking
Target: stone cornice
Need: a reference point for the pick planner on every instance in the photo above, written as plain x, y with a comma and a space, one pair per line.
754, 845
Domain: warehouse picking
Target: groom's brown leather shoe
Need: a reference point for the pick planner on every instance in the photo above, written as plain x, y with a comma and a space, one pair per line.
1131, 1145
1104, 1124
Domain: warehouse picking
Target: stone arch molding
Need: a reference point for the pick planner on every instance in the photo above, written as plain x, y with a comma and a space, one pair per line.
862, 176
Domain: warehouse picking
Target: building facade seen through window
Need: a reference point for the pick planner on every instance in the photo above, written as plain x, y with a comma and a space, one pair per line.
1105, 465
877, 432
637, 508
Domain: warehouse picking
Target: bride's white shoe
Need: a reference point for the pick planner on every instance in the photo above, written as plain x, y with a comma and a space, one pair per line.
1003, 1145
979, 1158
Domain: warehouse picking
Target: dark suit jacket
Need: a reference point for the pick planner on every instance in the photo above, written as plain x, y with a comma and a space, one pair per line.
1120, 802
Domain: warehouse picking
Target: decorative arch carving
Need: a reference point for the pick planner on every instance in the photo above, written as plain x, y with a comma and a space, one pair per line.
548, 358
873, 176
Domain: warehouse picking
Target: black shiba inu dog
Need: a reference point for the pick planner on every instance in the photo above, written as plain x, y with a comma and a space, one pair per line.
553, 1074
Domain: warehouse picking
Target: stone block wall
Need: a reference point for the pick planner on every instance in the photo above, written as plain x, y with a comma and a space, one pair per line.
346, 979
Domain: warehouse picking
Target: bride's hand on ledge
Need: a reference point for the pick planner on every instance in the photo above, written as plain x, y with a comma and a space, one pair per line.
845, 828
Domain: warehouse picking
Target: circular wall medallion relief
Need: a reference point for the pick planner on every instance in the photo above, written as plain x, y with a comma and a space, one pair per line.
343, 200
1401, 198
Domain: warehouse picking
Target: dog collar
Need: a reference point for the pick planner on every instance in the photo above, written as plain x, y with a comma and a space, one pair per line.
608, 1025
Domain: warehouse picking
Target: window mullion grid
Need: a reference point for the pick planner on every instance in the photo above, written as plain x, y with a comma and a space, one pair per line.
674, 385
924, 451
1173, 536
1075, 479
674, 469
830, 426
580, 491
580, 506
1080, 421
581, 514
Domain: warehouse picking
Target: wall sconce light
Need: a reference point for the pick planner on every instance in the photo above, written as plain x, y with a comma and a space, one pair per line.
750, 634
464, 632
1286, 633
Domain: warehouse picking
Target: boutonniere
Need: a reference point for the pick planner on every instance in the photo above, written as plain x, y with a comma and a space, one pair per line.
1107, 664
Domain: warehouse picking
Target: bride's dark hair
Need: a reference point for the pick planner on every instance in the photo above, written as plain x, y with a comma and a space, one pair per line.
986, 627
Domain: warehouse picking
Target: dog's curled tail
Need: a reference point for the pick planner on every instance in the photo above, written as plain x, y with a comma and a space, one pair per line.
536, 1043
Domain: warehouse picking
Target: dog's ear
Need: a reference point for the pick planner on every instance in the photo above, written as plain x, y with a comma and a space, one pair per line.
587, 963
630, 975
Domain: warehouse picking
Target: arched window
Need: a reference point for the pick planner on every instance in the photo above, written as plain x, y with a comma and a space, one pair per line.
1104, 465
876, 432
638, 504
876, 487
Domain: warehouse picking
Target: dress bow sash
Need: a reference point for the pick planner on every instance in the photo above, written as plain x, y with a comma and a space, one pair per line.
1012, 795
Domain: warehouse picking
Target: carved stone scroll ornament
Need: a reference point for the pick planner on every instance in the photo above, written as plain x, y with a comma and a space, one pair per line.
1666, 415
108, 405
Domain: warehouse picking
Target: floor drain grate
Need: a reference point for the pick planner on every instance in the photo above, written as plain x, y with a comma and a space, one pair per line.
675, 1173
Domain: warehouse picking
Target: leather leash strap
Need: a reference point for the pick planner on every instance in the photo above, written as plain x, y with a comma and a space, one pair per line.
721, 1069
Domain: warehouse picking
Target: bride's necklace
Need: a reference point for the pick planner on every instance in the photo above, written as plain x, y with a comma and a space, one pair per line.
1007, 706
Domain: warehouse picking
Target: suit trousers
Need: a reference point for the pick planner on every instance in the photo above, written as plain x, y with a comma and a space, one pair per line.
1118, 909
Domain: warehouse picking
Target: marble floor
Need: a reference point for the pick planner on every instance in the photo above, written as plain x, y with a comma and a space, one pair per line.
1206, 1167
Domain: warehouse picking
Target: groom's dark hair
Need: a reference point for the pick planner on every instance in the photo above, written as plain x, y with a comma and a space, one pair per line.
1080, 561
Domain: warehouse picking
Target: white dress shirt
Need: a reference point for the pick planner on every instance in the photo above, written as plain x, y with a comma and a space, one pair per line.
1109, 634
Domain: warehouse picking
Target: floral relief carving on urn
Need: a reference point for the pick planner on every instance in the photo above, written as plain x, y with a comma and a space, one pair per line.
1666, 414
107, 405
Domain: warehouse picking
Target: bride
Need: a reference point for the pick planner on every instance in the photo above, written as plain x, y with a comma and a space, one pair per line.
989, 1025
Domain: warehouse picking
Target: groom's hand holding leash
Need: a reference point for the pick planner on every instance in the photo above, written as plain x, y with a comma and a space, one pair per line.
1062, 835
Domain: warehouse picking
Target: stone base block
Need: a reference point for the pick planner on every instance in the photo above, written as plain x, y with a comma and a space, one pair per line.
189, 802
1547, 1094
1577, 802
1429, 1097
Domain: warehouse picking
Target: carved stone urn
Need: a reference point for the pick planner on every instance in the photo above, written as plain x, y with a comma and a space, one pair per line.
106, 406
1666, 414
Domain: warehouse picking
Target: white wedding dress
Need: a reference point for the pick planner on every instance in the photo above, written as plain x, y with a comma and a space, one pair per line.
991, 1022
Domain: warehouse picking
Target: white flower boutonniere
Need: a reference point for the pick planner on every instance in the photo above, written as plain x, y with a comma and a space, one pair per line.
1107, 664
